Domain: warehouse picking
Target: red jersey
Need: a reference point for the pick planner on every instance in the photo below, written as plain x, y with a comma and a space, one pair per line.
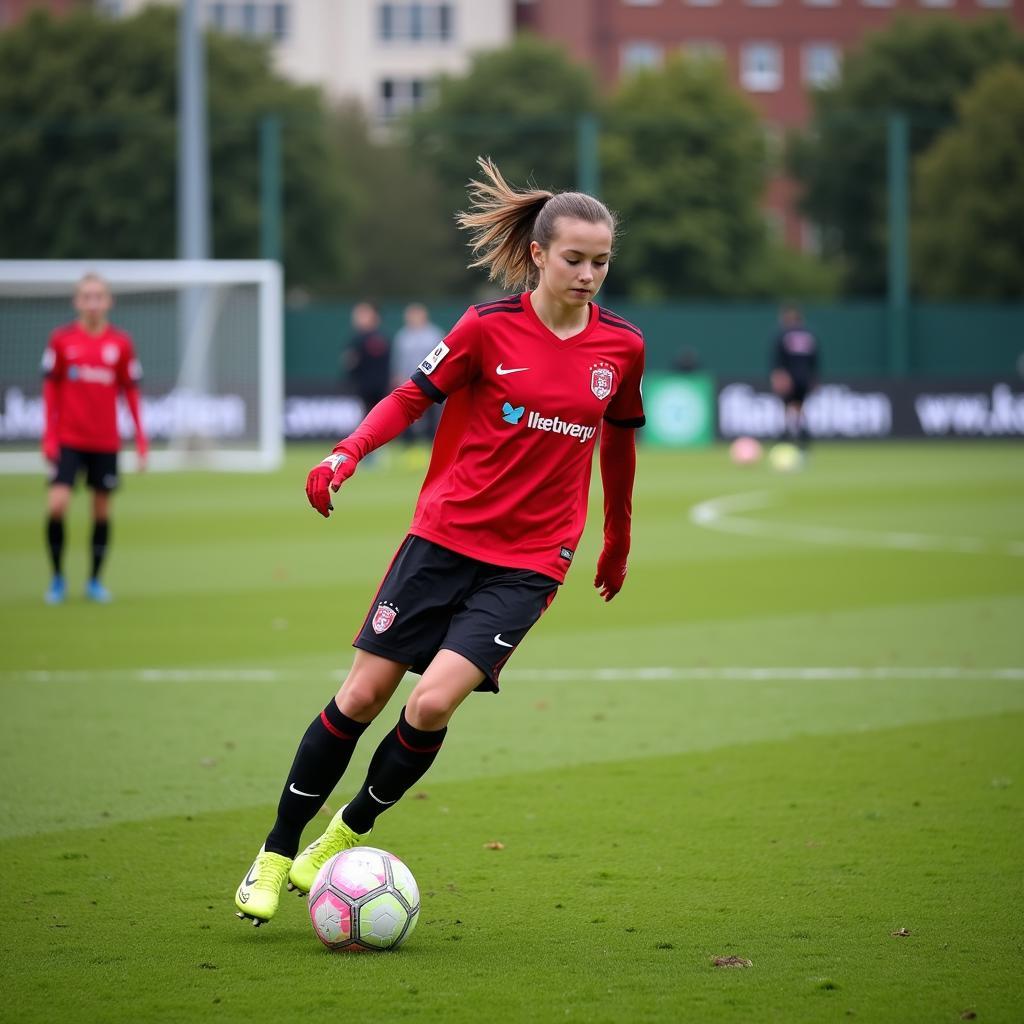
86, 372
510, 470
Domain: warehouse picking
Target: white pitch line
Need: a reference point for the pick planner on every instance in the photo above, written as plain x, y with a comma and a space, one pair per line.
737, 673
719, 514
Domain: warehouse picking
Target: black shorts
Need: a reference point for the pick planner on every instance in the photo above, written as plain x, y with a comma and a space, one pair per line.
434, 599
100, 469
798, 391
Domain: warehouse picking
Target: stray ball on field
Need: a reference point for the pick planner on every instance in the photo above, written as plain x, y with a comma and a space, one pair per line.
745, 451
786, 458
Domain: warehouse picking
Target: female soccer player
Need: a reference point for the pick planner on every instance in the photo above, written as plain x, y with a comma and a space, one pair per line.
529, 382
85, 365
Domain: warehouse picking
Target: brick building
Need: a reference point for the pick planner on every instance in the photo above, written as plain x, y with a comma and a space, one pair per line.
775, 50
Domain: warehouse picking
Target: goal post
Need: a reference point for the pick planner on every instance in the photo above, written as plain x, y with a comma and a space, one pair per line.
209, 336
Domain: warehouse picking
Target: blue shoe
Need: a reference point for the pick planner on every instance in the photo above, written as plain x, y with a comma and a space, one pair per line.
95, 591
57, 591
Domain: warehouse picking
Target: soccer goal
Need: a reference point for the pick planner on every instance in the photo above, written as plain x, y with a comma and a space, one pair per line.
209, 335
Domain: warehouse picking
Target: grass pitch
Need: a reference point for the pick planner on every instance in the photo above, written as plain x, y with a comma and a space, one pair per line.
796, 737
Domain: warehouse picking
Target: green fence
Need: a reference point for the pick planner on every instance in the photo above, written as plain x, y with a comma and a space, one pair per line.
729, 340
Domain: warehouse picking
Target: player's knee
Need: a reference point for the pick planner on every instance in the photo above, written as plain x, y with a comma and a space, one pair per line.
57, 504
361, 698
429, 708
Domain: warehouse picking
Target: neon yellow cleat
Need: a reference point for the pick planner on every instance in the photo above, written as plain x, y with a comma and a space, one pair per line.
258, 895
307, 865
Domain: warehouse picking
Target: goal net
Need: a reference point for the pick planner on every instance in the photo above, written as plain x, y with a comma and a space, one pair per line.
208, 334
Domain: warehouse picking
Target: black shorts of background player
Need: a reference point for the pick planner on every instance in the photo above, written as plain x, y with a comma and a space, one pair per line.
794, 372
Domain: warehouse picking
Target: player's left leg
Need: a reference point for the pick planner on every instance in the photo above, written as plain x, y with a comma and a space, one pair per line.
400, 761
101, 470
94, 589
405, 753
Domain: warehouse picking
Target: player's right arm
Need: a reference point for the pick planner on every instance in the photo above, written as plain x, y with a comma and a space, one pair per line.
53, 375
447, 367
384, 422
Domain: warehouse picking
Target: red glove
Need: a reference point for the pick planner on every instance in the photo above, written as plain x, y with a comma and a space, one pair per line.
325, 477
611, 573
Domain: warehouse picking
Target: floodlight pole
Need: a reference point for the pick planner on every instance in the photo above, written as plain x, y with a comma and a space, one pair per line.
193, 152
196, 312
898, 298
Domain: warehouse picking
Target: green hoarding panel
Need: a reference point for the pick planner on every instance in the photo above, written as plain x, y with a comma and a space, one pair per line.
680, 409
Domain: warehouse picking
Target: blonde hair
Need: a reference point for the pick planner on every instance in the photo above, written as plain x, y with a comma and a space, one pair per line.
503, 221
91, 277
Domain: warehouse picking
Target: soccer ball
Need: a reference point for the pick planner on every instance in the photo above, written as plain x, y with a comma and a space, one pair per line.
785, 457
364, 899
745, 450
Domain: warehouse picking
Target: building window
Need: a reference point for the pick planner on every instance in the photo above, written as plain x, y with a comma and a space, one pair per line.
264, 20
761, 67
415, 22
637, 55
820, 64
398, 96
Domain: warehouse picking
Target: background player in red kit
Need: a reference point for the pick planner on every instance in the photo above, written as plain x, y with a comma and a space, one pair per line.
86, 364
529, 383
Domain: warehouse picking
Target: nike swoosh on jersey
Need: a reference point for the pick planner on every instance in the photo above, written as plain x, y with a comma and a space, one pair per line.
498, 640
501, 371
298, 792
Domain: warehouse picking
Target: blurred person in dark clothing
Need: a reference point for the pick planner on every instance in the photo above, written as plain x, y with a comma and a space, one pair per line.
794, 372
366, 362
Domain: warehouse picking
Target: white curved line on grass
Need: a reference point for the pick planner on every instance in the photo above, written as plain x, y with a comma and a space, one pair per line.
720, 514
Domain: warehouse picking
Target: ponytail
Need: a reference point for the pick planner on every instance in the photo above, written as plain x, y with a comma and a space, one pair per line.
503, 221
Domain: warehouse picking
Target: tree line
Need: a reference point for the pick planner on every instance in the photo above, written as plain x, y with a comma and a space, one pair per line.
88, 150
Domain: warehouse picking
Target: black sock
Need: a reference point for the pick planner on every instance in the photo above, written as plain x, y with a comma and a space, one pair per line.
100, 539
401, 760
55, 542
321, 760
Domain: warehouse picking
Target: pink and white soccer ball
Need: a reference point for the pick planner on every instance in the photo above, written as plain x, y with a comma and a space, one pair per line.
745, 450
364, 899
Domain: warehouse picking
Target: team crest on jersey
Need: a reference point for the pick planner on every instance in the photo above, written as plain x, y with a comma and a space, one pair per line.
383, 617
601, 381
110, 354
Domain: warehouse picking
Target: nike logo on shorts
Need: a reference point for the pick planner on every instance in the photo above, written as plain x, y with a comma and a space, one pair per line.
298, 792
501, 371
498, 640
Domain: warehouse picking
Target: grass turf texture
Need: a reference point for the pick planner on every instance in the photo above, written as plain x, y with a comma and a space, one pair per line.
656, 808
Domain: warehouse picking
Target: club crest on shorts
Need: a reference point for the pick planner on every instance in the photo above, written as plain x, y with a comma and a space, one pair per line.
601, 381
383, 617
